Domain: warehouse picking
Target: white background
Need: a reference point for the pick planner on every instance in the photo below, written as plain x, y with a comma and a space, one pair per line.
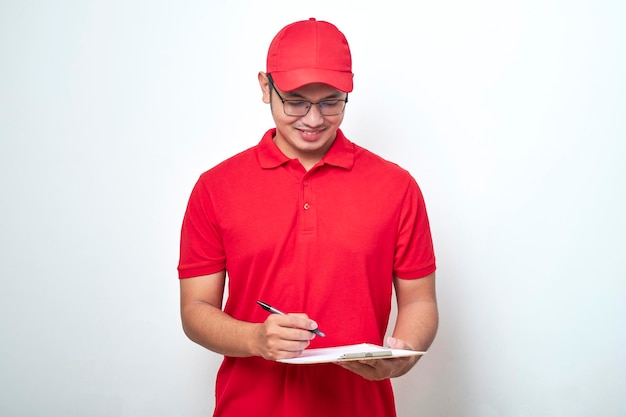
511, 116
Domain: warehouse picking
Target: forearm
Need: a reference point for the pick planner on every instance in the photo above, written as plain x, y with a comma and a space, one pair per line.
204, 322
418, 317
417, 324
210, 327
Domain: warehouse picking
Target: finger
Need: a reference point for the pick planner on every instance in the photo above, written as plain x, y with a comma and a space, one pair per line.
292, 348
295, 321
373, 370
302, 321
278, 347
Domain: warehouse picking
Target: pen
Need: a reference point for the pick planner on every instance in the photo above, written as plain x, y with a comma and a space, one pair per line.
276, 311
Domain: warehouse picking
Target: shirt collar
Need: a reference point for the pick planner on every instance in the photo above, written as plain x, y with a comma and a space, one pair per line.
340, 154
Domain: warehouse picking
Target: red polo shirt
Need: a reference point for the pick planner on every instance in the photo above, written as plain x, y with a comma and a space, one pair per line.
326, 242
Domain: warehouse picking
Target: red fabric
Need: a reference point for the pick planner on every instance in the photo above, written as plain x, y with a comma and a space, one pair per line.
310, 51
325, 242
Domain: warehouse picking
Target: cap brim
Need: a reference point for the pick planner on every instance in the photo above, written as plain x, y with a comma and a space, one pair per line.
294, 79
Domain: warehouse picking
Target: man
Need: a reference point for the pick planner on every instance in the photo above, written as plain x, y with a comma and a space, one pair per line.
318, 227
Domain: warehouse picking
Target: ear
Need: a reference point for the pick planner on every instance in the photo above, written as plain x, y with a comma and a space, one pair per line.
265, 87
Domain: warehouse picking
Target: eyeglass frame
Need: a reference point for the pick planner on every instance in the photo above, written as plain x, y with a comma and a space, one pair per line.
311, 103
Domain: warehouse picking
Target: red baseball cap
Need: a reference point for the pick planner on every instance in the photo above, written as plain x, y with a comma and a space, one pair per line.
310, 51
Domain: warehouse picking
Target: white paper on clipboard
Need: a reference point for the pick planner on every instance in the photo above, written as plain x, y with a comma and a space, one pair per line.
362, 351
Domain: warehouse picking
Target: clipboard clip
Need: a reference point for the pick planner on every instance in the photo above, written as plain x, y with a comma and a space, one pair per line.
366, 355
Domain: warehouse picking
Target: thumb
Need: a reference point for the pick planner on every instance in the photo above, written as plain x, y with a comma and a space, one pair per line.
392, 342
395, 343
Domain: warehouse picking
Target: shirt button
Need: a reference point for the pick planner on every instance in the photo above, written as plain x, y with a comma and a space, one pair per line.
306, 206
306, 182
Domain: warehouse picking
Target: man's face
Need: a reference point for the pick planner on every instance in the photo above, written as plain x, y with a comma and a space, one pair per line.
307, 137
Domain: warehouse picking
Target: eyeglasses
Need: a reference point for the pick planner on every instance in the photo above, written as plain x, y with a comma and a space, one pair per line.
300, 108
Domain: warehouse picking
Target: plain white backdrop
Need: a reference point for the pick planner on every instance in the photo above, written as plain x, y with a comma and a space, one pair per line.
510, 115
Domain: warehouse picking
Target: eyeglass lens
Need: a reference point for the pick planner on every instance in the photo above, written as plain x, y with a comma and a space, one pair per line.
301, 107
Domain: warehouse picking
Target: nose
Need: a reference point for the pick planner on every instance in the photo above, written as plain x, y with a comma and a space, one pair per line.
314, 117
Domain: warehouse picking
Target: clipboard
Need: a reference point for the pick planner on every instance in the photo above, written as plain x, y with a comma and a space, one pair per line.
358, 352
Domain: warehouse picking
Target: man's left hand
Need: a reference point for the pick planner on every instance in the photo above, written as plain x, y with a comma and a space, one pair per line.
379, 369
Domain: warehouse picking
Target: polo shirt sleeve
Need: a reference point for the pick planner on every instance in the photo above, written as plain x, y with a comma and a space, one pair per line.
201, 251
414, 255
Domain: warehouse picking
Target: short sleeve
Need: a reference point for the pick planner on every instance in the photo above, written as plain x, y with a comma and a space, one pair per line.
201, 249
414, 255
